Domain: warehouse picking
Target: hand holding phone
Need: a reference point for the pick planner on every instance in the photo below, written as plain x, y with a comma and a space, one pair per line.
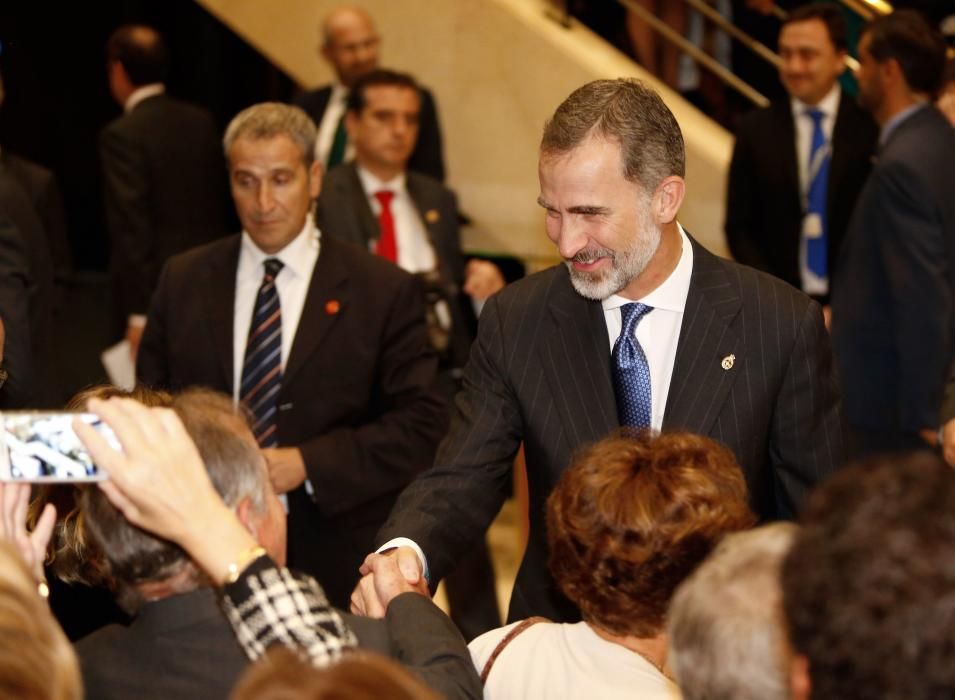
41, 447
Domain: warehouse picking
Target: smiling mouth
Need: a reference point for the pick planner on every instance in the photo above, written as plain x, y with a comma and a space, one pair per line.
587, 260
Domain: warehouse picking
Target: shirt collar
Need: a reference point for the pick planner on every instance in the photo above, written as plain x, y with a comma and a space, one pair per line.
141, 93
294, 256
372, 183
828, 105
339, 93
671, 294
895, 121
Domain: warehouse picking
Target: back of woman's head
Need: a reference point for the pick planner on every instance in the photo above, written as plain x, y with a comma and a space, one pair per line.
36, 660
283, 675
633, 516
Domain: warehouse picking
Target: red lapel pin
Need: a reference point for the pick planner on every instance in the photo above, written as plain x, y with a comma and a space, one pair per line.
332, 307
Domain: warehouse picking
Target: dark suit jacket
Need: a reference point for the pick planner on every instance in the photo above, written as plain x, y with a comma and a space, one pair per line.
343, 211
893, 313
41, 186
16, 204
164, 184
540, 374
764, 210
357, 396
178, 647
428, 155
416, 633
15, 287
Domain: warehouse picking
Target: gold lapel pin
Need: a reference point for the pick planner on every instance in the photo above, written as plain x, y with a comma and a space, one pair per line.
432, 216
332, 307
728, 361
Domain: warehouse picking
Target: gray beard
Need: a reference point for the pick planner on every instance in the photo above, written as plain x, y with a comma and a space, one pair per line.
625, 266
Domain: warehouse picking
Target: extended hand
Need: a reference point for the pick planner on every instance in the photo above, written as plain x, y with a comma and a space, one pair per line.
386, 576
286, 468
14, 500
482, 279
160, 484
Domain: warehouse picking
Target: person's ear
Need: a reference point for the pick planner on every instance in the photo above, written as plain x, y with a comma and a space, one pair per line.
243, 512
667, 199
315, 173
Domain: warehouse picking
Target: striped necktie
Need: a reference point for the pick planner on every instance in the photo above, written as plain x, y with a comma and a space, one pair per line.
262, 369
814, 228
631, 371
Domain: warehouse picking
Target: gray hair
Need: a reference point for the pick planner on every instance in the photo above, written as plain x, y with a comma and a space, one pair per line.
628, 112
236, 469
725, 624
267, 120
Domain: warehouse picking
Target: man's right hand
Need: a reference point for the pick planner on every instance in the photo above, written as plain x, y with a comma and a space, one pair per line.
386, 576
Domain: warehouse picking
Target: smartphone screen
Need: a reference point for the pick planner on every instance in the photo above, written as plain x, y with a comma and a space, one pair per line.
42, 447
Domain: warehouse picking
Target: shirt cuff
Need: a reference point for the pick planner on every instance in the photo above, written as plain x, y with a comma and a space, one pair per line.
405, 542
137, 320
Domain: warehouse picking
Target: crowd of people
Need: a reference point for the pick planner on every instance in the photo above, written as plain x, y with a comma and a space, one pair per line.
321, 430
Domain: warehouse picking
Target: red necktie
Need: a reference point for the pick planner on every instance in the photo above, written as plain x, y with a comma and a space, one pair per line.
387, 246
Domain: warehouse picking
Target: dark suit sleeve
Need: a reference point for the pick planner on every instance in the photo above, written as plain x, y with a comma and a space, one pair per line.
425, 640
428, 154
446, 509
126, 192
913, 254
350, 465
15, 284
947, 411
808, 438
741, 206
152, 363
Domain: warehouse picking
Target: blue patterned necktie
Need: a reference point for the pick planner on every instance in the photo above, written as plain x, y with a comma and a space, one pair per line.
816, 248
631, 372
262, 369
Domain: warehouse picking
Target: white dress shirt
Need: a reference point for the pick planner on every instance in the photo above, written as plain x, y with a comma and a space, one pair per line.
326, 130
659, 331
658, 334
141, 93
829, 106
415, 252
298, 259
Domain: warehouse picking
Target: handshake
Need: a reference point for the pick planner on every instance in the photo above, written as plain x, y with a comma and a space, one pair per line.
386, 575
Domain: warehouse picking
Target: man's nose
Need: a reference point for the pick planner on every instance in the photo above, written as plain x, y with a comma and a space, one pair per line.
266, 198
571, 237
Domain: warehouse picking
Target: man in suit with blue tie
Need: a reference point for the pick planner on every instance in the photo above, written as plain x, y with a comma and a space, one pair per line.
640, 326
799, 164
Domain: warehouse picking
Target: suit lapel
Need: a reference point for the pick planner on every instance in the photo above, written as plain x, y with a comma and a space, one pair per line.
785, 136
700, 382
354, 201
219, 301
844, 134
576, 358
327, 299
428, 212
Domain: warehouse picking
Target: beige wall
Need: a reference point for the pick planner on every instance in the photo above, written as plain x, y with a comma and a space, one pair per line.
498, 69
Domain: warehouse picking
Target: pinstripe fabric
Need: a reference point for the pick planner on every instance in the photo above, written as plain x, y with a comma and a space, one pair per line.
540, 374
262, 368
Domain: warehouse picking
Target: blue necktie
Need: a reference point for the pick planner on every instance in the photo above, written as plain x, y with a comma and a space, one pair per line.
262, 369
631, 373
816, 248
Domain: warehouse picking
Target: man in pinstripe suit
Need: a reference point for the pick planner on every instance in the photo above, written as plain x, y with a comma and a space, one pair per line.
730, 352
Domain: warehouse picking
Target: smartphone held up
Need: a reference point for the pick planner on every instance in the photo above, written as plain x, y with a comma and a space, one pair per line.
40, 446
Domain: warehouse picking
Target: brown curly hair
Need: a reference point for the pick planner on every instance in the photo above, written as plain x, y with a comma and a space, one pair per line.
633, 516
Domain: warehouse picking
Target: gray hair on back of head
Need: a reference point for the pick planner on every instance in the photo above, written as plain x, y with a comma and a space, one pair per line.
725, 623
267, 120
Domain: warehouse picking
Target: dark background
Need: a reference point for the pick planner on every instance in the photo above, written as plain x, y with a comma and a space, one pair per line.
57, 98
